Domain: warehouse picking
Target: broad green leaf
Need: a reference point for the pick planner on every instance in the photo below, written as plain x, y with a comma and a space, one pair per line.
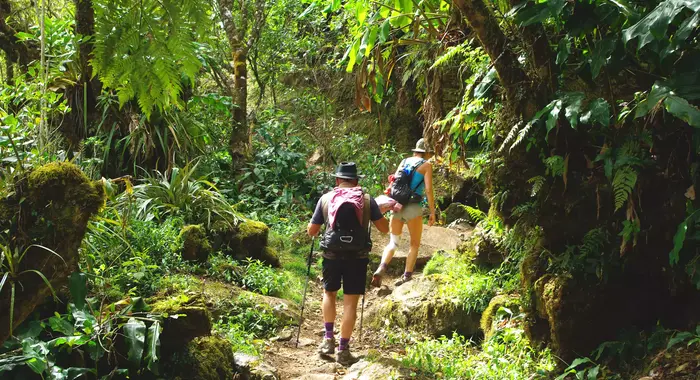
577, 362
369, 44
600, 55
683, 110
135, 333
37, 365
682, 34
593, 373
352, 55
78, 289
361, 8
654, 25
572, 110
598, 112
553, 115
678, 241
58, 324
153, 347
23, 36
486, 84
678, 338
563, 50
538, 12
384, 31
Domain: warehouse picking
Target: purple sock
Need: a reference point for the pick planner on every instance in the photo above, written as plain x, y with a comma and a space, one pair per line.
344, 344
408, 274
329, 329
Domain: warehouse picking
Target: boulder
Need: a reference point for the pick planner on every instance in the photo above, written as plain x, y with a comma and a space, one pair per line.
203, 358
482, 248
419, 305
195, 244
382, 369
433, 239
49, 206
249, 239
249, 367
184, 319
457, 212
488, 318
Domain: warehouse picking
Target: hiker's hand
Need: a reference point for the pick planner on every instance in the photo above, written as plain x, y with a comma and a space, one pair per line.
431, 219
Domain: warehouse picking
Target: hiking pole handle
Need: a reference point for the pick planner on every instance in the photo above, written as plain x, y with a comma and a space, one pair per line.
306, 285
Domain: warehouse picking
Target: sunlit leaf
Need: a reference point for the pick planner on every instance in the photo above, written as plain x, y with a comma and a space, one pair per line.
135, 333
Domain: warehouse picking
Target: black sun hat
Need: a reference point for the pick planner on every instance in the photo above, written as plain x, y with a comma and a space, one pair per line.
347, 170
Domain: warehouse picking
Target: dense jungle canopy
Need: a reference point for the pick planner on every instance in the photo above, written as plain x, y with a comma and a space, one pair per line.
160, 160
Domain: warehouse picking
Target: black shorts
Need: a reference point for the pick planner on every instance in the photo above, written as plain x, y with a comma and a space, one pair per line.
352, 273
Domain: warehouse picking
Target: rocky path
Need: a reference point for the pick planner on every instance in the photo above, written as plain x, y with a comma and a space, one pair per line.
303, 362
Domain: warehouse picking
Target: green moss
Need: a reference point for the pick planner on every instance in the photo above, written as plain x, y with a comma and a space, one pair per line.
487, 318
63, 182
195, 245
253, 229
204, 358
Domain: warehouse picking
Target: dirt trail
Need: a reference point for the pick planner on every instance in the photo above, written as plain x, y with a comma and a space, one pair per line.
304, 362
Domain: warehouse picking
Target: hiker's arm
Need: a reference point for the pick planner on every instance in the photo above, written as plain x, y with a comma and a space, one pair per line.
378, 218
313, 229
429, 193
382, 225
317, 220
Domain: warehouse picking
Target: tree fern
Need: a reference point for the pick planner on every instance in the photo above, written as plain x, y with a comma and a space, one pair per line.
623, 184
144, 49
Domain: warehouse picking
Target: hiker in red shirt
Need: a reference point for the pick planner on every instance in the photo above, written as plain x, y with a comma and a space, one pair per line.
346, 211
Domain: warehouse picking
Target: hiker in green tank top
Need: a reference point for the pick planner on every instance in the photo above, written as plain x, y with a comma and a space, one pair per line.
411, 214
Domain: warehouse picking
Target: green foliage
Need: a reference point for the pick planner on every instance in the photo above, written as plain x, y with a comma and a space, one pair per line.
11, 272
180, 194
623, 184
472, 288
89, 331
247, 324
507, 355
145, 50
253, 275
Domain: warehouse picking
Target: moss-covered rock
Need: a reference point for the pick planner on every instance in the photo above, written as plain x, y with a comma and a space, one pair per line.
488, 318
419, 305
50, 206
457, 212
249, 239
195, 244
185, 318
203, 358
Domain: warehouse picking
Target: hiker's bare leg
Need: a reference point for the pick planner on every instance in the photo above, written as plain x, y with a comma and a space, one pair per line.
396, 227
415, 229
349, 315
328, 306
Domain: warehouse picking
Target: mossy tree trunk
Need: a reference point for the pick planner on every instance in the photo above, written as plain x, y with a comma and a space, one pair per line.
241, 38
495, 43
15, 50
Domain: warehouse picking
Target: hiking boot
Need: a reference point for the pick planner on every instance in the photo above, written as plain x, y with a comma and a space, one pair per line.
327, 347
345, 358
404, 279
377, 276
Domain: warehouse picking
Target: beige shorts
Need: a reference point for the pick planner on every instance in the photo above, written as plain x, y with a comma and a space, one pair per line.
409, 212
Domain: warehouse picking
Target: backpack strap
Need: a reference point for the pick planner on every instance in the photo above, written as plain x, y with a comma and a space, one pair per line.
366, 211
415, 167
324, 208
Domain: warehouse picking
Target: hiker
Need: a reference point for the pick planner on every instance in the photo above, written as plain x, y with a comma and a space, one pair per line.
346, 211
420, 171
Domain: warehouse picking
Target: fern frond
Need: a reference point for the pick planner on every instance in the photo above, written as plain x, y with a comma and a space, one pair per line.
475, 214
521, 136
556, 165
537, 183
511, 135
449, 55
594, 241
623, 184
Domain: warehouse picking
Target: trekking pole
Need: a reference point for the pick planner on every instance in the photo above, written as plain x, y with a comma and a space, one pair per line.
306, 285
362, 315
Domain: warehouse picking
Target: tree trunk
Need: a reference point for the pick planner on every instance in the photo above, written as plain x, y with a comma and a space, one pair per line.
239, 146
495, 44
10, 71
16, 50
83, 96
